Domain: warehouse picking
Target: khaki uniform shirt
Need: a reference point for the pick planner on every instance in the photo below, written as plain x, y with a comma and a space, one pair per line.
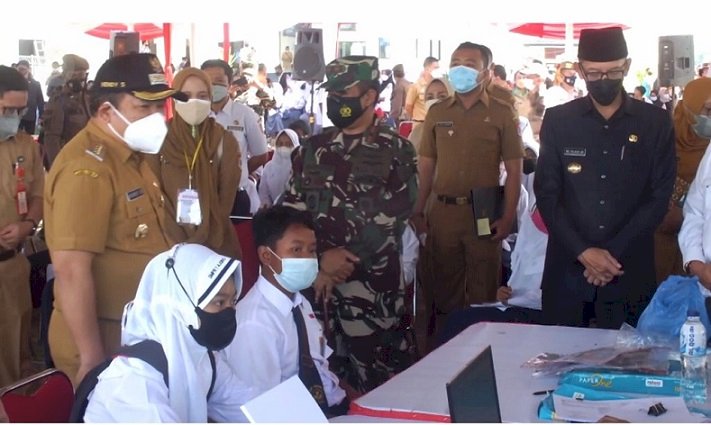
416, 97
469, 144
20, 148
102, 198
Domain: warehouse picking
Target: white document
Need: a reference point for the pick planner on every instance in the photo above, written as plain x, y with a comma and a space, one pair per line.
632, 410
288, 402
501, 306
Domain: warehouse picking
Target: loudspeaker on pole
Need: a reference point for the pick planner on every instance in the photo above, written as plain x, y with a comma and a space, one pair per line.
308, 56
676, 60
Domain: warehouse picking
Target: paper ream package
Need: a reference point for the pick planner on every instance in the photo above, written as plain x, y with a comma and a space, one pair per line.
623, 382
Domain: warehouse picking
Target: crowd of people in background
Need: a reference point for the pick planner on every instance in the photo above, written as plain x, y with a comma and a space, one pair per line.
556, 192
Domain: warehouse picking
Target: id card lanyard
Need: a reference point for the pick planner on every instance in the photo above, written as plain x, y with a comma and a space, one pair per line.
188, 205
20, 189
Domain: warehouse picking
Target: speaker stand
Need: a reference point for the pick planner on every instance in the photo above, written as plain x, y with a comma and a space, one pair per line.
312, 117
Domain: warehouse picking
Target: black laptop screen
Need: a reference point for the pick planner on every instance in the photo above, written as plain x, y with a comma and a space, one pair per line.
472, 393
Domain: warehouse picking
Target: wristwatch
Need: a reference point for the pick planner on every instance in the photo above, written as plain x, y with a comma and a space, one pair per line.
34, 225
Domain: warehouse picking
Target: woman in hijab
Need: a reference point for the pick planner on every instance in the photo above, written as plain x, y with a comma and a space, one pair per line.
199, 170
277, 171
691, 143
438, 89
185, 301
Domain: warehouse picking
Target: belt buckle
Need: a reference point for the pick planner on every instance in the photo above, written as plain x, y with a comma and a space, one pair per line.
461, 200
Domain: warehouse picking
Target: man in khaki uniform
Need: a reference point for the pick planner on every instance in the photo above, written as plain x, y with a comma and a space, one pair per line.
67, 110
464, 140
415, 99
105, 211
20, 210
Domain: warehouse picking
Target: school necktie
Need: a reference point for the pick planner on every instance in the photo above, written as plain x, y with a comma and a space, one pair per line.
307, 368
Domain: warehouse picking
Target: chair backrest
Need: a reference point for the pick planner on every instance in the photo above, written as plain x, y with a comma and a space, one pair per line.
250, 260
50, 400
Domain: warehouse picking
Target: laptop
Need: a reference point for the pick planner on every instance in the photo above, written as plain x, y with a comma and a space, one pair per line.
472, 394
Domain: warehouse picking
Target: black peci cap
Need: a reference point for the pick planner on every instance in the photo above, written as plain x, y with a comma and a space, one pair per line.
139, 74
602, 45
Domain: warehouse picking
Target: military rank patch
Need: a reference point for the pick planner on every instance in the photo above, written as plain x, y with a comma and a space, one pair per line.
86, 172
96, 152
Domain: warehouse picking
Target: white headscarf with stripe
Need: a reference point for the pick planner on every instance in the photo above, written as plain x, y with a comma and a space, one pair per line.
162, 312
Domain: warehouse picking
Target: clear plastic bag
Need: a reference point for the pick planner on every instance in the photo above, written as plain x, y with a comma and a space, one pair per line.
632, 352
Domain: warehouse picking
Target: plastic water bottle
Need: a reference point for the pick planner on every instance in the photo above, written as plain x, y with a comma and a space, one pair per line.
692, 340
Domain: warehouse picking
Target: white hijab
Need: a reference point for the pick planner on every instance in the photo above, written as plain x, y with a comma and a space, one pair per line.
162, 312
278, 170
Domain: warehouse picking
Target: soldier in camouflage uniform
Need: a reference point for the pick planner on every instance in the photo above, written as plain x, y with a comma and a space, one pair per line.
359, 181
67, 110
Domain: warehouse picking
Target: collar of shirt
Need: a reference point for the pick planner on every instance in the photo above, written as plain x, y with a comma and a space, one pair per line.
118, 146
483, 98
277, 298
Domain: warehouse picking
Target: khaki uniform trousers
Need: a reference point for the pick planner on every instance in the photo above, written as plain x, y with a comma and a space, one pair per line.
465, 269
65, 353
15, 320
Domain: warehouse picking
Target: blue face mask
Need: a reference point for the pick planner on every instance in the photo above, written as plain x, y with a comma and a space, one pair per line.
296, 273
702, 128
9, 126
463, 78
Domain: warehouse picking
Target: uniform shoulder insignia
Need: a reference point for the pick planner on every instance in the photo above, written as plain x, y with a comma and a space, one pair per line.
96, 152
86, 172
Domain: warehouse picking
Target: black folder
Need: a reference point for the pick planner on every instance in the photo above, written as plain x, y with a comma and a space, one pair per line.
488, 206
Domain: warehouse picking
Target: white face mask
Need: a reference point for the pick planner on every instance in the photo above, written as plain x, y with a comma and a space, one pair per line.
429, 103
284, 152
437, 73
194, 111
145, 135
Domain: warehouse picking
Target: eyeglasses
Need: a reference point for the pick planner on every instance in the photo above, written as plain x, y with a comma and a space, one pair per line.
613, 74
10, 112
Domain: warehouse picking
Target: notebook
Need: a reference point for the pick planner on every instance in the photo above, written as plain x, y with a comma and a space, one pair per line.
472, 394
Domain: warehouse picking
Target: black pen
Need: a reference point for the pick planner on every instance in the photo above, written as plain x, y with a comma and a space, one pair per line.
543, 392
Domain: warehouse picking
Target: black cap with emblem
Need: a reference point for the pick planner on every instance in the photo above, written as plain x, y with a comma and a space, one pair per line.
139, 74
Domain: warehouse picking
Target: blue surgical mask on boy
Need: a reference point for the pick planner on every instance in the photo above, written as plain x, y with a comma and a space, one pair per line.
296, 273
463, 78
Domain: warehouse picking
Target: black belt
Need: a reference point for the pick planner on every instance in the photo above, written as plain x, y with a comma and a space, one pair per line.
6, 255
454, 200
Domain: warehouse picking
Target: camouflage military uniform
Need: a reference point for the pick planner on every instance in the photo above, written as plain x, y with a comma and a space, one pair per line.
360, 191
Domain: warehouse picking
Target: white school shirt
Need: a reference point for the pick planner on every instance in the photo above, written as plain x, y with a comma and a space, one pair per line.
243, 122
695, 233
131, 390
265, 351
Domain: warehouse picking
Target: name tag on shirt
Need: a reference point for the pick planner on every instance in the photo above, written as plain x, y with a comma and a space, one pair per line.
134, 194
445, 124
235, 128
580, 152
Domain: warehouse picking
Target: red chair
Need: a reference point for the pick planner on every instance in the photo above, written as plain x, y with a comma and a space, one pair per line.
405, 128
250, 260
50, 401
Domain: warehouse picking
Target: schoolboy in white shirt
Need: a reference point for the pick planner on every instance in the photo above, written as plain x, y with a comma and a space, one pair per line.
278, 332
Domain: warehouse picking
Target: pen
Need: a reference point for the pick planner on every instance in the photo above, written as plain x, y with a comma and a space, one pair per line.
543, 392
622, 153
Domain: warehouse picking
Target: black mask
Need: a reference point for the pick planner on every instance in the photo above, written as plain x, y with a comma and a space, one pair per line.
604, 91
343, 111
570, 80
217, 330
75, 85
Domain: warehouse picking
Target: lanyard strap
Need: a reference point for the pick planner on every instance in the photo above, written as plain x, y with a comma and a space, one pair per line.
191, 164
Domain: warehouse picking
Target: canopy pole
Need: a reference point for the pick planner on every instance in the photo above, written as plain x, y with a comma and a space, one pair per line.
569, 40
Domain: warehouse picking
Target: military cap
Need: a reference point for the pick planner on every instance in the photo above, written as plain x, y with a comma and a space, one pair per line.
602, 45
139, 74
343, 73
71, 63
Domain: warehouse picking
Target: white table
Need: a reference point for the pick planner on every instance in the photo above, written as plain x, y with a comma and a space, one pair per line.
419, 393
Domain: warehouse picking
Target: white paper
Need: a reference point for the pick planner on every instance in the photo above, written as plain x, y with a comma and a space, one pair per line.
632, 410
527, 299
288, 402
499, 305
